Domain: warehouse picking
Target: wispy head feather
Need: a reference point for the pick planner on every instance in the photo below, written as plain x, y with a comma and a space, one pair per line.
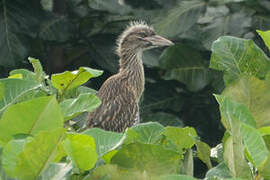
133, 26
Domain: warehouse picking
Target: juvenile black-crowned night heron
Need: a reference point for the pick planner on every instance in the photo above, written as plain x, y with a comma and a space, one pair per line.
121, 93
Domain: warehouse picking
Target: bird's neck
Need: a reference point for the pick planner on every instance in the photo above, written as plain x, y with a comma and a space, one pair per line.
131, 67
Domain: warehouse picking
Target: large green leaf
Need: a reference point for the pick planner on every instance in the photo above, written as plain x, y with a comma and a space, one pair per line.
148, 133
231, 110
81, 149
184, 138
186, 65
188, 163
84, 102
180, 19
237, 56
266, 37
26, 74
156, 159
114, 172
56, 171
235, 115
38, 154
30, 117
255, 95
27, 159
255, 145
11, 90
220, 171
240, 123
106, 141
10, 155
69, 80
234, 156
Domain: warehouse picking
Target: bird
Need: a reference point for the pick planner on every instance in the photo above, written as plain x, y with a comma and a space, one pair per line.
120, 93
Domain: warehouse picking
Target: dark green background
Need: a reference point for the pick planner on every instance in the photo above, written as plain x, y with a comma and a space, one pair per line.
67, 34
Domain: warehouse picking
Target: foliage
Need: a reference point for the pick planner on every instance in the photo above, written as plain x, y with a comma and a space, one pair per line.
37, 135
245, 150
77, 34
70, 34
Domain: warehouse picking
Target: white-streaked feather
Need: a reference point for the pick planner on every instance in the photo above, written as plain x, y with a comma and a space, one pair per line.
133, 25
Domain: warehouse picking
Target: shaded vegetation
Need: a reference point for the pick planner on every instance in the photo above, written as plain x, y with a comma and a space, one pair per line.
75, 34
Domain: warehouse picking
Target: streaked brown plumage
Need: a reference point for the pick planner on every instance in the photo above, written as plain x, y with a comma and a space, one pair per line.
121, 93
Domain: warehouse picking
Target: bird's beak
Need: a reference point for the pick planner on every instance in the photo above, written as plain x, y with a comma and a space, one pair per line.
159, 41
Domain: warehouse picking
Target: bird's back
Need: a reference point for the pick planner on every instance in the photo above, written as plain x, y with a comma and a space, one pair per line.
119, 106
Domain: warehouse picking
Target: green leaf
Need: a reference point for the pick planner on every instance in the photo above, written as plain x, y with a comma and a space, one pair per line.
241, 125
238, 57
265, 36
114, 172
10, 155
255, 95
166, 119
203, 153
26, 74
81, 149
30, 117
233, 116
156, 159
234, 156
184, 138
255, 145
38, 154
265, 170
174, 177
15, 76
39, 73
56, 171
106, 141
69, 80
84, 90
11, 90
220, 171
84, 102
264, 130
180, 19
230, 110
148, 133
185, 64
108, 156
188, 164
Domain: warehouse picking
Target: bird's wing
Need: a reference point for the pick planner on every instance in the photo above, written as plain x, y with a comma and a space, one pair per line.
116, 113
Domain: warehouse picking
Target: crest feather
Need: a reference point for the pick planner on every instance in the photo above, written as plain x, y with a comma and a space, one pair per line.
131, 27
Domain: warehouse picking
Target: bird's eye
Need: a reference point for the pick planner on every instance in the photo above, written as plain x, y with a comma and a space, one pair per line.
141, 34
152, 34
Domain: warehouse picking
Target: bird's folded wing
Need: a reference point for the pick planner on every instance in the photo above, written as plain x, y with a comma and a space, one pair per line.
115, 114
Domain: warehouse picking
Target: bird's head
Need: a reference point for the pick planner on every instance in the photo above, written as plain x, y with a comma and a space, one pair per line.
138, 36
